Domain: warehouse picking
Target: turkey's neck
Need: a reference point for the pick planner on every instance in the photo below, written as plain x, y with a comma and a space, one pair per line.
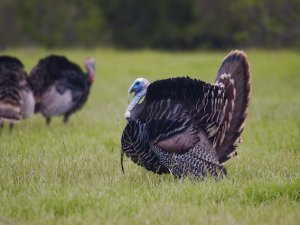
90, 72
89, 78
134, 108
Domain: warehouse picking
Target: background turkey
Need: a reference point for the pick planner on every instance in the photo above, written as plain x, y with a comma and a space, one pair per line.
186, 126
16, 98
60, 87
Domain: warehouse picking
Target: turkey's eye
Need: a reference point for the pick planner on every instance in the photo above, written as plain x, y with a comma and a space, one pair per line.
137, 83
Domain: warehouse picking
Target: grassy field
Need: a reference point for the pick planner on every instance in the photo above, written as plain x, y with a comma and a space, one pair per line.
70, 174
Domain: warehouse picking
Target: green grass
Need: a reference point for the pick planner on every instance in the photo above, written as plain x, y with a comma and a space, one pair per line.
70, 174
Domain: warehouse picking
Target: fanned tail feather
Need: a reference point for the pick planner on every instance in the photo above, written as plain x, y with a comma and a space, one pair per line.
234, 70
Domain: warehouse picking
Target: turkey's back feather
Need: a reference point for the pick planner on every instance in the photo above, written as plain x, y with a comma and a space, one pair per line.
180, 89
10, 62
53, 68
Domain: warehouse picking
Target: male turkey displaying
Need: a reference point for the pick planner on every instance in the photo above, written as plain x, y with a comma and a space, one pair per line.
185, 126
60, 87
16, 98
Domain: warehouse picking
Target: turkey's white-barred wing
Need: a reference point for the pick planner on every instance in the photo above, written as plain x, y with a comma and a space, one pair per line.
134, 143
176, 109
169, 125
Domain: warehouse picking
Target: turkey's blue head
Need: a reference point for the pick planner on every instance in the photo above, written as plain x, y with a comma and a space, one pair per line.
90, 68
139, 88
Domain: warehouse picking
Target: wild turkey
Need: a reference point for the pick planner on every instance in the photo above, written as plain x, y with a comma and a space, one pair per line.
60, 87
16, 98
185, 126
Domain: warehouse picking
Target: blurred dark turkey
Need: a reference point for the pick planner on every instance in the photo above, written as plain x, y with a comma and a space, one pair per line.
60, 86
16, 98
185, 126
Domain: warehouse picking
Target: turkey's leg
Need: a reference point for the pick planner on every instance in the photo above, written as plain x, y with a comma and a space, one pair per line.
11, 126
48, 121
1, 127
66, 118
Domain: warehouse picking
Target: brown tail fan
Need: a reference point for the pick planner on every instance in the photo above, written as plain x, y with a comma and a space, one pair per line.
235, 68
